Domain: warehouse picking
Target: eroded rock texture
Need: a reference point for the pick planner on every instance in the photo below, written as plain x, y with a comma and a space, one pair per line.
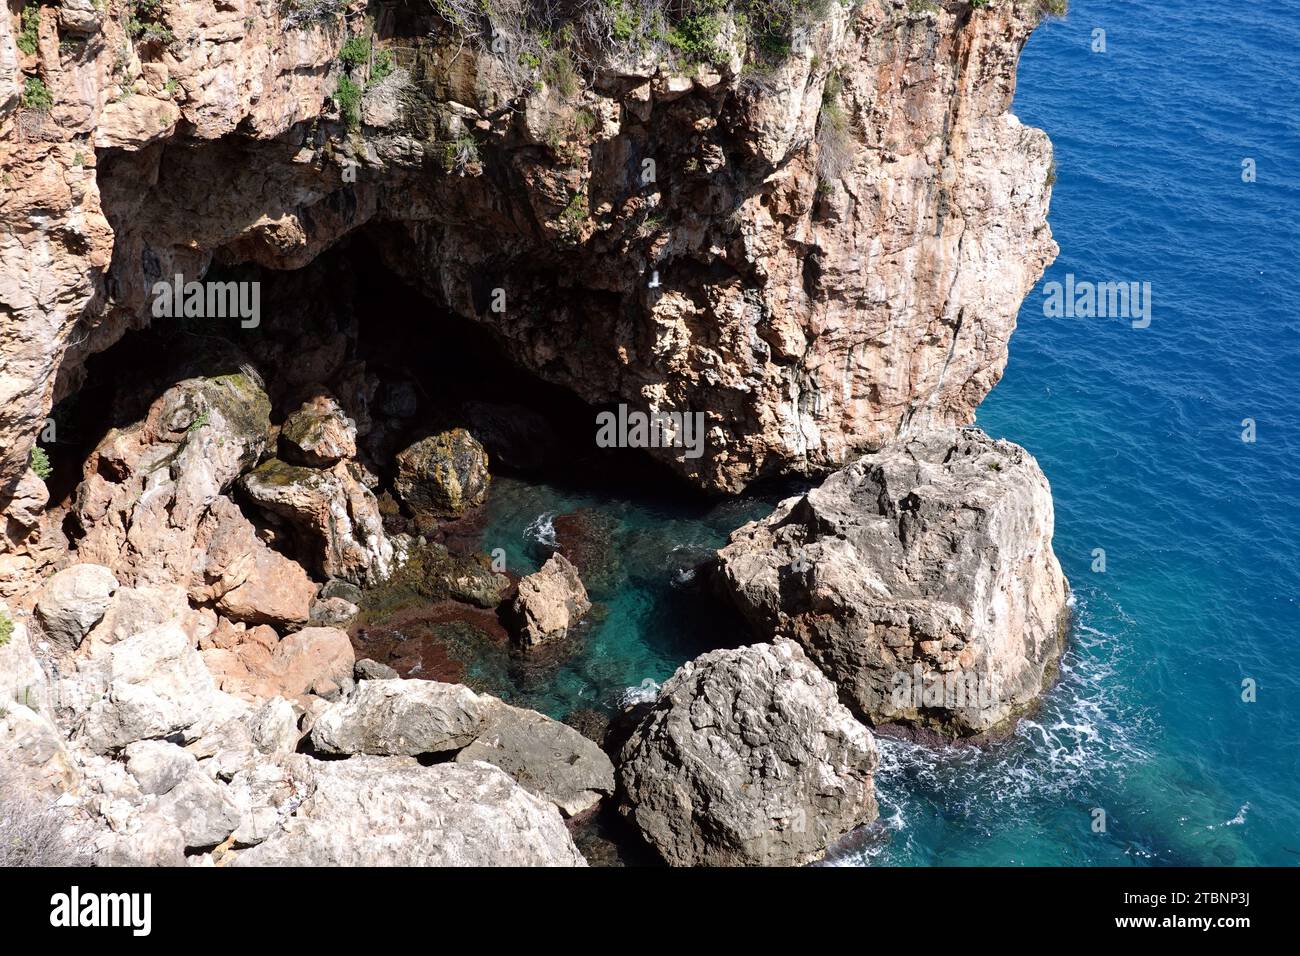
813, 293
748, 759
920, 578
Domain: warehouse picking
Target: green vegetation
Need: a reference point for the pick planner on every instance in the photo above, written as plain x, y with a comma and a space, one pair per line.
355, 52
36, 95
382, 66
40, 463
145, 25
6, 629
348, 97
560, 73
30, 21
300, 14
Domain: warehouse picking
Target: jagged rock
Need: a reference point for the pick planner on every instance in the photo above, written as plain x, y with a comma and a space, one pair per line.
274, 727
442, 475
402, 717
266, 793
152, 843
748, 758
921, 579
133, 610
21, 677
150, 685
551, 759
30, 742
148, 487
334, 512
248, 581
373, 811
198, 806
73, 602
549, 602
318, 434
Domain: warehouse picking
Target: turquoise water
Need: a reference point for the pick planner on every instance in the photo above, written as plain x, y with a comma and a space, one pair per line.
651, 611
1139, 431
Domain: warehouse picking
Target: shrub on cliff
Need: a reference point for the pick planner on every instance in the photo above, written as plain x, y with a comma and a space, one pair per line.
26, 39
40, 463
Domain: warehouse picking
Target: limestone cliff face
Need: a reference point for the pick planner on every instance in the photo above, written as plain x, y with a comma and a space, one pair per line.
821, 253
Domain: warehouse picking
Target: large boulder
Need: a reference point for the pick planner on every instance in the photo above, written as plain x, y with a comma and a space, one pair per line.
73, 601
390, 811
551, 759
921, 579
549, 602
401, 718
748, 758
319, 434
443, 475
247, 580
314, 662
335, 515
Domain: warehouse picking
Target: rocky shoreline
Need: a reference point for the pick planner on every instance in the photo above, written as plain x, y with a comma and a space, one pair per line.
206, 652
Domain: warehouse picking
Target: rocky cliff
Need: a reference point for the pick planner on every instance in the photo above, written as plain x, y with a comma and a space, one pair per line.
817, 249
810, 223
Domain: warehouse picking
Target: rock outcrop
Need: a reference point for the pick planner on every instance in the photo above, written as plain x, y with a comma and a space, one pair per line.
549, 602
748, 759
823, 248
376, 811
414, 717
73, 602
920, 578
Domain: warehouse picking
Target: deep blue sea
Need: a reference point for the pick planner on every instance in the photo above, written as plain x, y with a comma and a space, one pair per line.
1145, 753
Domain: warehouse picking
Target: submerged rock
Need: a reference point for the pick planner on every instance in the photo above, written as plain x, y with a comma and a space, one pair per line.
550, 601
921, 579
748, 759
443, 475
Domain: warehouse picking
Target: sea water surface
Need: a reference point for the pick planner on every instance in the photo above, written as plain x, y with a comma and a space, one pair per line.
1145, 752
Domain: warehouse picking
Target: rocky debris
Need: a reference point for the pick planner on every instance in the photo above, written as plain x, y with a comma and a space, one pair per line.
401, 717
314, 662
390, 811
73, 601
133, 610
318, 434
151, 685
748, 758
921, 579
332, 612
443, 475
549, 758
335, 515
549, 602
158, 766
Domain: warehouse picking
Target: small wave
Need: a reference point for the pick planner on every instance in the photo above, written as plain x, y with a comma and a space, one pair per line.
542, 529
644, 693
1236, 821
684, 576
